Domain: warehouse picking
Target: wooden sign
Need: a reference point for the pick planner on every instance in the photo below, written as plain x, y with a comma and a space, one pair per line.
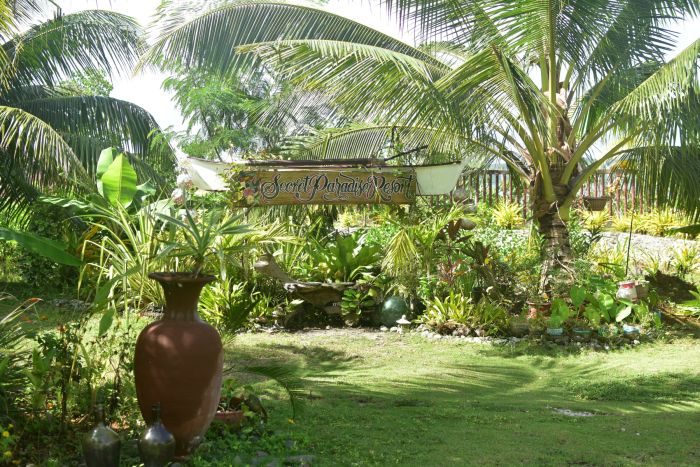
321, 186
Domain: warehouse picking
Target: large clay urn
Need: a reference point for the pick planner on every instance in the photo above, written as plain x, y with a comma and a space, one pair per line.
178, 363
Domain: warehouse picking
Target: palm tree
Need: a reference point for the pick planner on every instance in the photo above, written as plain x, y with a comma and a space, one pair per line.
554, 88
51, 136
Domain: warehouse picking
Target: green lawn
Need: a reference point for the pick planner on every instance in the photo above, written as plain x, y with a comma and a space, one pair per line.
384, 399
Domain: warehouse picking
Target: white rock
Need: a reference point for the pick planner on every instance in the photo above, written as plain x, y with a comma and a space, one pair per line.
384, 329
394, 329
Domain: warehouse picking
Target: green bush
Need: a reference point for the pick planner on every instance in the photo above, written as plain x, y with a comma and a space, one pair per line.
39, 272
227, 304
489, 317
344, 258
659, 222
507, 215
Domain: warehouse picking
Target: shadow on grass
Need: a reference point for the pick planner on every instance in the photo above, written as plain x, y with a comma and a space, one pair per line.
435, 405
334, 375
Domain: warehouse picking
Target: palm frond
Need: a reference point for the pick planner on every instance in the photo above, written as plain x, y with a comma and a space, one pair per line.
93, 39
492, 88
210, 40
35, 150
365, 82
622, 34
86, 120
673, 91
368, 140
666, 175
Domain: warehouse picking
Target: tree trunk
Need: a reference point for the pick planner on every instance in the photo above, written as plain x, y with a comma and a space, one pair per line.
558, 256
552, 221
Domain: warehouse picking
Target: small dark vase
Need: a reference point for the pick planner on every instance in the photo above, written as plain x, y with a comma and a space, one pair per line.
178, 362
101, 445
157, 444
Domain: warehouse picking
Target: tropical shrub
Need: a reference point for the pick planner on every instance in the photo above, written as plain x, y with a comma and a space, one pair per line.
659, 222
344, 258
485, 317
352, 305
507, 215
596, 221
455, 307
686, 261
227, 304
622, 223
39, 271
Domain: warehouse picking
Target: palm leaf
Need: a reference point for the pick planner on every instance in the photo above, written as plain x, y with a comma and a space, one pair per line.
54, 50
51, 249
91, 123
368, 140
210, 40
670, 91
37, 151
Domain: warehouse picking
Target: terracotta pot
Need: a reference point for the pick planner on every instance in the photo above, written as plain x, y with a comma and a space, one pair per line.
538, 309
178, 363
233, 418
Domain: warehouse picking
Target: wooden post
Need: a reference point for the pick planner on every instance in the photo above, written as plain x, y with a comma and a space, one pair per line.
510, 188
497, 178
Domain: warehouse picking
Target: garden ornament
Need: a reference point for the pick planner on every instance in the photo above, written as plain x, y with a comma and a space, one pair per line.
403, 323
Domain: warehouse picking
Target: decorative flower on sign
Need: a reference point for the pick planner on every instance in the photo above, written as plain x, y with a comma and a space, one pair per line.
243, 186
184, 181
178, 196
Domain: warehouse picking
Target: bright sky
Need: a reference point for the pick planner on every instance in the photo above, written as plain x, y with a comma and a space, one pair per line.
145, 90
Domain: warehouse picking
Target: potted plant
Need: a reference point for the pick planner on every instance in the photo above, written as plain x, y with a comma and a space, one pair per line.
627, 290
519, 325
538, 306
560, 313
231, 405
178, 359
595, 203
642, 288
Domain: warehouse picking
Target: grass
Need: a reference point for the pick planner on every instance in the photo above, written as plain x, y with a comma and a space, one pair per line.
383, 399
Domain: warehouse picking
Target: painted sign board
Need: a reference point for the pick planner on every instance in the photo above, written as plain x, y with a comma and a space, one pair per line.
262, 187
